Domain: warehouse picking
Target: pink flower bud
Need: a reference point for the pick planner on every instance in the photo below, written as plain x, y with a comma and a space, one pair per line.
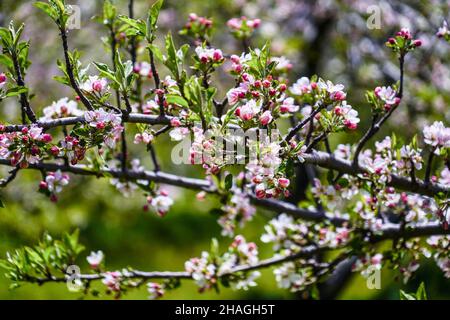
392, 41
266, 83
193, 17
54, 150
175, 122
255, 94
260, 194
46, 137
43, 185
282, 87
417, 43
265, 118
200, 196
350, 125
283, 182
53, 198
25, 130
339, 96
97, 86
234, 58
217, 55
2, 78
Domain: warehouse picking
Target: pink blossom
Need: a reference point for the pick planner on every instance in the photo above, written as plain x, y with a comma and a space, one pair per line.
95, 84
265, 118
288, 105
2, 80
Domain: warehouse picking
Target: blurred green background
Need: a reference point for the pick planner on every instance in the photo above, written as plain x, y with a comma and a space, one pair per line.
117, 225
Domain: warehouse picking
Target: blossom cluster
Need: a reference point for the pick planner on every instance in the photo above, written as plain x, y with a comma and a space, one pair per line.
242, 27
107, 126
53, 184
197, 27
143, 69
25, 147
437, 136
207, 269
403, 42
237, 211
61, 109
209, 56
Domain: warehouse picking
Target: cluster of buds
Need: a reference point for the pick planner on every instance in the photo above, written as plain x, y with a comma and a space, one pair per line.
237, 211
53, 184
155, 290
160, 202
326, 93
28, 146
143, 69
69, 148
206, 150
209, 56
206, 269
112, 280
346, 115
143, 137
108, 126
263, 173
262, 100
243, 28
403, 42
197, 27
203, 271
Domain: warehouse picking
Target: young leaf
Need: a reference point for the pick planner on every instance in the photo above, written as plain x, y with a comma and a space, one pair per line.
153, 18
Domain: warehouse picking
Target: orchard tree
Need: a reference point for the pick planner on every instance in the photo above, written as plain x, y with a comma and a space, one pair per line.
367, 209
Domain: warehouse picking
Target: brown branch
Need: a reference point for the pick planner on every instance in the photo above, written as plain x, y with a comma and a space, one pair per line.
69, 70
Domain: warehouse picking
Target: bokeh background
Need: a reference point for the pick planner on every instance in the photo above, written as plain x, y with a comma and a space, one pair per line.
326, 37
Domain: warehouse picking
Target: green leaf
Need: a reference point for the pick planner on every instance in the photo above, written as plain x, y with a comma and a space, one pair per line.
109, 11
16, 91
174, 99
421, 294
171, 61
214, 248
137, 25
153, 18
228, 181
406, 296
156, 52
47, 8
2, 205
